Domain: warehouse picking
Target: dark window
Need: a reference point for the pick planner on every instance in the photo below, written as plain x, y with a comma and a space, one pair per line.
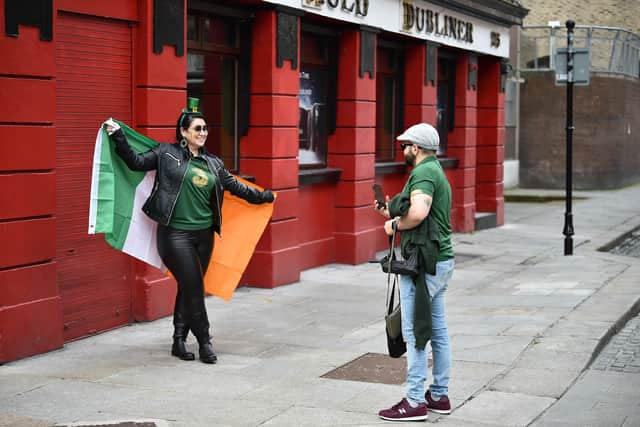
389, 87
212, 76
445, 113
318, 62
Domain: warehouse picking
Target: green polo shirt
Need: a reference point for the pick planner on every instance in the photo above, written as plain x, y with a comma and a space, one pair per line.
429, 178
193, 209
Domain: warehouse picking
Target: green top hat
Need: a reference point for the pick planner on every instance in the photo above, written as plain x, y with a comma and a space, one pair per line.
192, 105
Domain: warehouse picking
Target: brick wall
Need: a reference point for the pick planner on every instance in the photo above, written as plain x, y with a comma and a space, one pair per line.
612, 13
605, 140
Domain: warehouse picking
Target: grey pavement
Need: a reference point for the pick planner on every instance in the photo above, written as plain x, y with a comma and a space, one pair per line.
608, 393
526, 323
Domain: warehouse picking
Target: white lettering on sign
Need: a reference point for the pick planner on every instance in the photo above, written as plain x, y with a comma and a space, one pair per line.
355, 7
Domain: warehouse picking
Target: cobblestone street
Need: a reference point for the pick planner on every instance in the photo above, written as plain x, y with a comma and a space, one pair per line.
622, 354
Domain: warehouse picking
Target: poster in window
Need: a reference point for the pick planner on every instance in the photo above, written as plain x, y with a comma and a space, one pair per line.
312, 127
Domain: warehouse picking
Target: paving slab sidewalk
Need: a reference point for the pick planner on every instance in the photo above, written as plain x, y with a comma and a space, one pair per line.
525, 321
606, 394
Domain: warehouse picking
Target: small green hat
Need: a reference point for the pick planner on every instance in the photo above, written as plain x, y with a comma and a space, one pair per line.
192, 105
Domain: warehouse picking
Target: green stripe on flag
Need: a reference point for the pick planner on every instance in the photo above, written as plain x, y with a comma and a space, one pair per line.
117, 186
125, 183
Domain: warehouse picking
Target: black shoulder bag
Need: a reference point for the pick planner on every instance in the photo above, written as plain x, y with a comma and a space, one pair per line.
393, 316
391, 264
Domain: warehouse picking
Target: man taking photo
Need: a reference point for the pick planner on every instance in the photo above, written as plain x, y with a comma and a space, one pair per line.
422, 214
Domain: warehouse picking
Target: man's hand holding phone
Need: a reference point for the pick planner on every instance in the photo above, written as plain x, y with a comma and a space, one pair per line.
380, 202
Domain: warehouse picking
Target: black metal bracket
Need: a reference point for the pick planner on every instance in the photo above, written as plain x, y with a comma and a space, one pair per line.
244, 78
287, 38
505, 70
368, 51
430, 63
168, 25
35, 13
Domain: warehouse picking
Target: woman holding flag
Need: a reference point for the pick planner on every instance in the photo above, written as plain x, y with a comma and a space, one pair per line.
186, 202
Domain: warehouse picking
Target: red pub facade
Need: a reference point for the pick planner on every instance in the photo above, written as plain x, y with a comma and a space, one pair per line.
302, 96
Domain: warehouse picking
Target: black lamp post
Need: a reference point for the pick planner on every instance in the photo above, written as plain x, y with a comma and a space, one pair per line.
568, 216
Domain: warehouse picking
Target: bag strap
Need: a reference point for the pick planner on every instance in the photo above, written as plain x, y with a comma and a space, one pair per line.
392, 252
391, 305
390, 295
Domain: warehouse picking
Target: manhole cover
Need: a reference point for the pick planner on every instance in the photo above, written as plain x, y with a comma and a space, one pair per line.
372, 368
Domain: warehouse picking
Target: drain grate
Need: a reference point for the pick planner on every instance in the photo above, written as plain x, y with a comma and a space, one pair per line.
371, 368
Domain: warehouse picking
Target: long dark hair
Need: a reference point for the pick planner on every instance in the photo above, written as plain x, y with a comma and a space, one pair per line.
184, 121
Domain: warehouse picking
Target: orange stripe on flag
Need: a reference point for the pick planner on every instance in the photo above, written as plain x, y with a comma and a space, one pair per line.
242, 226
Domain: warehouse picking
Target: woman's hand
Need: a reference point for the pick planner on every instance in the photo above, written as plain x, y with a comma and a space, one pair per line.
267, 196
111, 125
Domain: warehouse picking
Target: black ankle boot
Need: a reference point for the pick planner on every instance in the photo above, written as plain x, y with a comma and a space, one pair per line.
179, 349
207, 355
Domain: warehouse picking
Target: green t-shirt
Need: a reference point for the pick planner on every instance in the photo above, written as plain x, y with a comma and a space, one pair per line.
429, 178
193, 210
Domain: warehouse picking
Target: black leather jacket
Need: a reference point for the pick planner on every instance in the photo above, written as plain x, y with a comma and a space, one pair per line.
170, 162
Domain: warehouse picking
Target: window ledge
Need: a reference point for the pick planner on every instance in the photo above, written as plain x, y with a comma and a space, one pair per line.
449, 162
316, 176
386, 168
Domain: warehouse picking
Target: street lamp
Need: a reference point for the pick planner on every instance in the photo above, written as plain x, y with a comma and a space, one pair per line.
568, 216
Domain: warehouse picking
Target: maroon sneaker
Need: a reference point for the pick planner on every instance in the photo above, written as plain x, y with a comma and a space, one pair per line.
402, 411
442, 406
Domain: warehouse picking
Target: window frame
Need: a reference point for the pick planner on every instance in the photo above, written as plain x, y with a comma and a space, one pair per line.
329, 67
450, 59
397, 50
202, 47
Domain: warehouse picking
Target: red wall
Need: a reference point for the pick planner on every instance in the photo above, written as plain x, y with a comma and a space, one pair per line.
352, 149
312, 224
462, 146
30, 309
491, 136
159, 91
269, 152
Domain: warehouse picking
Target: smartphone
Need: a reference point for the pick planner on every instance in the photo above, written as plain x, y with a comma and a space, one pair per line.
379, 195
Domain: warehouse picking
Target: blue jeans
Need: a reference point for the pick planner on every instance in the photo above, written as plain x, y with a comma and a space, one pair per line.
417, 359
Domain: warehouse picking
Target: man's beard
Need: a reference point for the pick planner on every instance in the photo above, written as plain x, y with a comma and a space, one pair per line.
410, 159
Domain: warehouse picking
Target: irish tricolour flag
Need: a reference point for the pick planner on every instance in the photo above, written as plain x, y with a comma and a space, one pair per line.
117, 196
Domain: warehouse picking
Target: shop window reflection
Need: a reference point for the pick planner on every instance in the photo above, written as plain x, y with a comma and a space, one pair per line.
316, 64
313, 125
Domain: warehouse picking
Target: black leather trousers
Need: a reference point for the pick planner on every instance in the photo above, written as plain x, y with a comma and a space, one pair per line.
186, 254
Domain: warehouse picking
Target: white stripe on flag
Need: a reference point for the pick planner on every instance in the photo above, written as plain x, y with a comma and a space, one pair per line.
93, 204
141, 238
